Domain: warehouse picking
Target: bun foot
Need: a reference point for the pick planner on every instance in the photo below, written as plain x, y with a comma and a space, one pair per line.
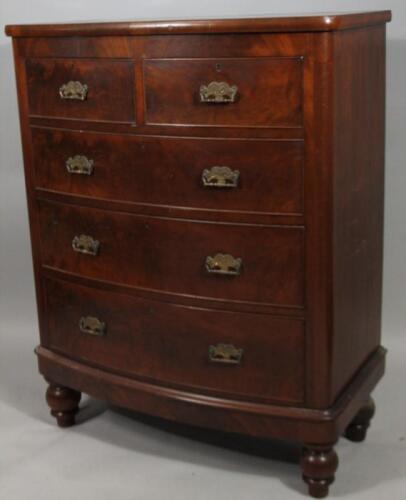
318, 488
64, 404
357, 430
319, 464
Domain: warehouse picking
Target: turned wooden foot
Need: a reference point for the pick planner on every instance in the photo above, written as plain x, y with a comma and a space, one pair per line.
319, 464
64, 403
357, 430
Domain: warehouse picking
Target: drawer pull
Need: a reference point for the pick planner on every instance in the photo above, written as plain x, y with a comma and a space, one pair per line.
79, 165
85, 244
223, 264
73, 90
220, 177
225, 353
218, 92
92, 326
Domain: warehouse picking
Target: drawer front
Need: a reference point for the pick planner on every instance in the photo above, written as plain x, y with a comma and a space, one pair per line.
261, 356
257, 92
81, 89
264, 263
260, 175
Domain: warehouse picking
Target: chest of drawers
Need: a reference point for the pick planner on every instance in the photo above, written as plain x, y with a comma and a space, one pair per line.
206, 213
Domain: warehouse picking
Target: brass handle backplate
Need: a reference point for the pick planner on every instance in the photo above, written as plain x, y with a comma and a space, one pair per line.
220, 177
218, 93
225, 353
79, 165
73, 90
223, 264
85, 244
92, 326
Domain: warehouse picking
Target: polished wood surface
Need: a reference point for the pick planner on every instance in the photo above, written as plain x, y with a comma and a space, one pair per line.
319, 464
167, 172
169, 256
305, 425
305, 133
110, 89
358, 190
162, 342
269, 92
64, 403
322, 22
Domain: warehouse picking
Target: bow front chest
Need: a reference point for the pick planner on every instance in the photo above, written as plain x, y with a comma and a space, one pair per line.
206, 212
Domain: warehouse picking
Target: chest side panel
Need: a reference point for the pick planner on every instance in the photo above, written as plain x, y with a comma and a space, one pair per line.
358, 182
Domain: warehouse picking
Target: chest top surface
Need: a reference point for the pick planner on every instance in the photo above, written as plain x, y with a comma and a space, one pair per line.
274, 24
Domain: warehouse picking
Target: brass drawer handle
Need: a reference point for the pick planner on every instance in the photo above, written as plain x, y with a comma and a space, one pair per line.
73, 90
79, 165
92, 326
85, 244
218, 92
220, 177
225, 353
223, 264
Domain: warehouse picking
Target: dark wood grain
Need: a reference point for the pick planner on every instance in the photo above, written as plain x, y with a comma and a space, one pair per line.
328, 22
110, 89
292, 312
169, 255
358, 184
198, 131
231, 415
21, 81
159, 46
269, 92
169, 344
307, 135
168, 172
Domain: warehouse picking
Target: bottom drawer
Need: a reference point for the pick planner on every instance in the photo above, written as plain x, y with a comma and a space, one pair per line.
250, 356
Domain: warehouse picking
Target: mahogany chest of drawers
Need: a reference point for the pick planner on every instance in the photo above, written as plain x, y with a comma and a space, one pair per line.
206, 212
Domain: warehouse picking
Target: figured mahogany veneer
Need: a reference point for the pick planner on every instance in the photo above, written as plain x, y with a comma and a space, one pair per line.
167, 172
206, 215
142, 338
169, 255
269, 92
110, 89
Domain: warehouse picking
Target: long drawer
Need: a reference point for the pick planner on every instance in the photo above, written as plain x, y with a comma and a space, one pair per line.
237, 262
248, 355
256, 176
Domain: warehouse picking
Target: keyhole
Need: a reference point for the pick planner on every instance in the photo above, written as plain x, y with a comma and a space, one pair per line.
218, 67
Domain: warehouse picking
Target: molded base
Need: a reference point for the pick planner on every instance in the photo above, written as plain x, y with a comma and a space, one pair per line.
320, 428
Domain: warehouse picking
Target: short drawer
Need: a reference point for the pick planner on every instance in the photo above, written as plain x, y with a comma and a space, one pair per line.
246, 355
81, 89
256, 176
238, 262
244, 92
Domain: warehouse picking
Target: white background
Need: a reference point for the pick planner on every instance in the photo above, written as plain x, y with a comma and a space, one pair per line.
120, 456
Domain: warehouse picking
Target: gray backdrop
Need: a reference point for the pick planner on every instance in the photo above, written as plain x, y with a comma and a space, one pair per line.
143, 460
